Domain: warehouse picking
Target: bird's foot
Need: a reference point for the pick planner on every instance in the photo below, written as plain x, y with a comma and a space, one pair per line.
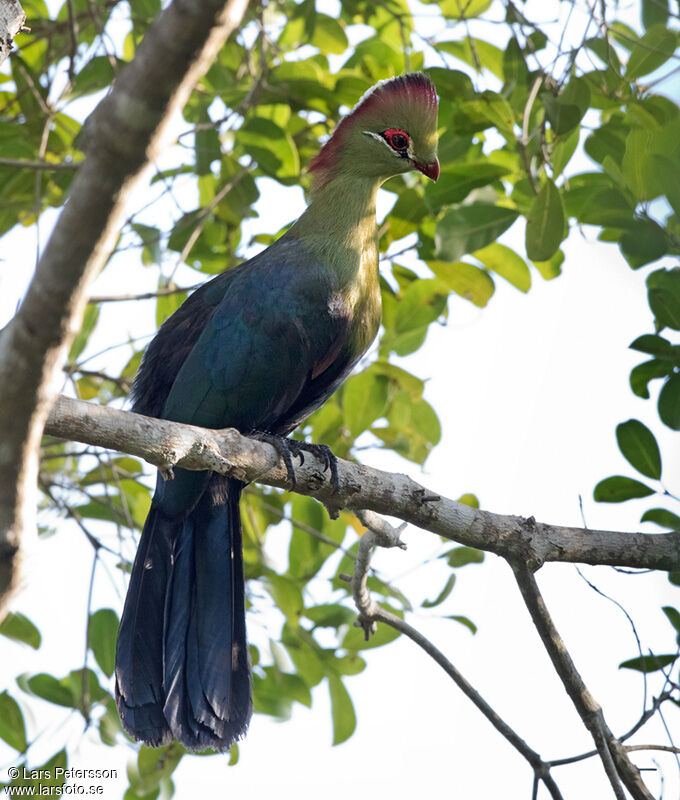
293, 448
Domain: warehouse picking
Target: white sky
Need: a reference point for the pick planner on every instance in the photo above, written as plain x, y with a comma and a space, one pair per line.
529, 391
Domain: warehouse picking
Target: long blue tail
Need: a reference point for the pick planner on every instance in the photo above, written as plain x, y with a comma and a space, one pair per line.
182, 668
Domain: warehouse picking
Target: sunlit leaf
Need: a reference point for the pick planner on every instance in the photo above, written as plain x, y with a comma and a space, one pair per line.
460, 556
652, 50
102, 638
342, 710
12, 726
506, 263
18, 627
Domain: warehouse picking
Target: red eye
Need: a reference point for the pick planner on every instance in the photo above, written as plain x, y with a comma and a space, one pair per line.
397, 139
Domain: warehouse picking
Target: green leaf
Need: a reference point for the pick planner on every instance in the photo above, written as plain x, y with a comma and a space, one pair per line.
545, 223
475, 53
154, 765
654, 345
651, 51
469, 500
654, 12
82, 337
329, 35
49, 688
102, 638
458, 180
515, 72
506, 263
462, 9
650, 663
552, 268
663, 292
641, 375
460, 556
208, 149
12, 726
619, 488
639, 171
669, 402
97, 74
445, 592
286, 594
644, 241
167, 304
421, 303
639, 448
465, 279
469, 228
355, 638
330, 615
151, 240
563, 117
364, 400
20, 628
662, 517
667, 175
272, 147
342, 710
44, 779
673, 616
463, 621
562, 150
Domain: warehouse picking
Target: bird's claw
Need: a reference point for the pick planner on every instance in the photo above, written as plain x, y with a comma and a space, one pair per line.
289, 448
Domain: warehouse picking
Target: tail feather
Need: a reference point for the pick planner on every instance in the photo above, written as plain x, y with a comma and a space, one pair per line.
193, 681
139, 671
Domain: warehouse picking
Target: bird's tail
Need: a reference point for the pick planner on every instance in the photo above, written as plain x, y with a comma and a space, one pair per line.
182, 667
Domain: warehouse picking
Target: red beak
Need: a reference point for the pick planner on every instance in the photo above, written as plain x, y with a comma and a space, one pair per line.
431, 170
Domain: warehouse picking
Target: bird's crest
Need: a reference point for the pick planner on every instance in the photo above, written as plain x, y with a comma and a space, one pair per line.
396, 97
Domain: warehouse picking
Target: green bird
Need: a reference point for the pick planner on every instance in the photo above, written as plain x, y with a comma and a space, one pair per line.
258, 348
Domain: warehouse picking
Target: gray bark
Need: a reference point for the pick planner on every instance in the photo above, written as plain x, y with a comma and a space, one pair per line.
12, 20
122, 136
167, 444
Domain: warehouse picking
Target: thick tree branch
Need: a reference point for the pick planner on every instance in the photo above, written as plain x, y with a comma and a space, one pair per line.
167, 444
12, 20
620, 770
120, 138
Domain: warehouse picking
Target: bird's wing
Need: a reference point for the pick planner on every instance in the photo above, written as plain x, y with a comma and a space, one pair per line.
261, 346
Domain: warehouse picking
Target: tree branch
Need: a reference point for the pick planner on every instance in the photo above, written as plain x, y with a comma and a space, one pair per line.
167, 444
614, 758
12, 20
120, 138
382, 534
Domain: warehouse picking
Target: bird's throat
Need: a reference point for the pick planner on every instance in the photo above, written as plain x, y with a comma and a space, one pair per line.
339, 227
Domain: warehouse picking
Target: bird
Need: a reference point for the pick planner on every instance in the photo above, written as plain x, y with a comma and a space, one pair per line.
257, 348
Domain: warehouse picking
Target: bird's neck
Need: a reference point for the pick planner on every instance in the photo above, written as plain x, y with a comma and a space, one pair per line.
339, 227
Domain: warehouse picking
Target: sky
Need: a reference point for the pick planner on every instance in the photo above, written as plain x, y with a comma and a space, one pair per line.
529, 392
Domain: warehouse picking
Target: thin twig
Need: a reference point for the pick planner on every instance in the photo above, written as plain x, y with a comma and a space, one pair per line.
616, 763
381, 533
55, 166
120, 298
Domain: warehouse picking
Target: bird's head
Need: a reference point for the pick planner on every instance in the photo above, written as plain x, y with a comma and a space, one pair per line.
392, 129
